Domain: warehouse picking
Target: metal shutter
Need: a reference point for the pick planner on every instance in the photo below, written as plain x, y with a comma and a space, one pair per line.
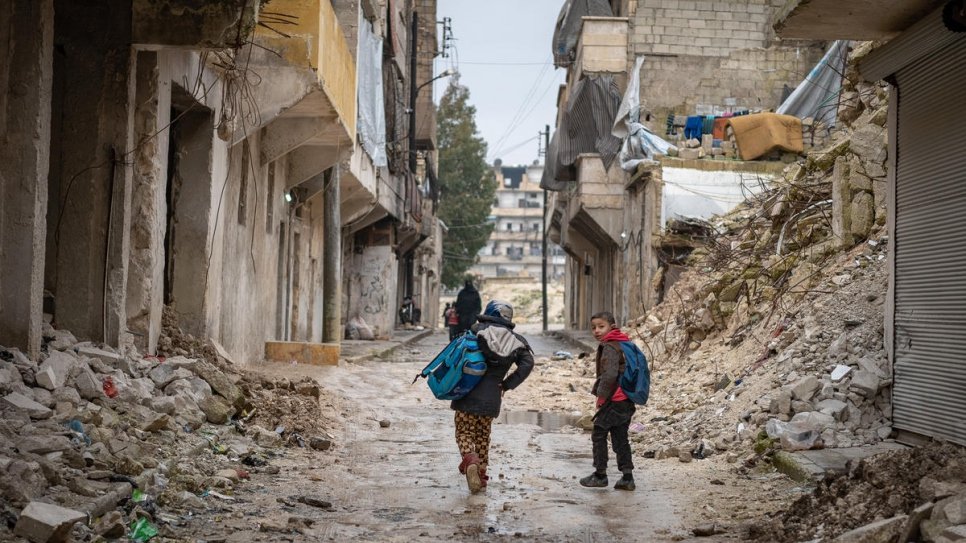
930, 246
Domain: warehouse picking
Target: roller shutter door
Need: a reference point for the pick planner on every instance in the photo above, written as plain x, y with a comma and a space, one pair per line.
930, 246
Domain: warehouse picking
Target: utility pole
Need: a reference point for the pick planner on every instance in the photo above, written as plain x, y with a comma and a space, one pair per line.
543, 226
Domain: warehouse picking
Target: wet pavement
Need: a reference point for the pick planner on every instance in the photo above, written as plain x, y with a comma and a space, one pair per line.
400, 483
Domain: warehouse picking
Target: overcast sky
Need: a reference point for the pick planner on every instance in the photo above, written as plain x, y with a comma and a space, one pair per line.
502, 52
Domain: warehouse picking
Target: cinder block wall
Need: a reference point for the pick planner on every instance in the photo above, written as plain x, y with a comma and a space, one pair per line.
720, 54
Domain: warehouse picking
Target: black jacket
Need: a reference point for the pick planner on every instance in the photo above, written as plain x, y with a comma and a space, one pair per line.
468, 306
502, 348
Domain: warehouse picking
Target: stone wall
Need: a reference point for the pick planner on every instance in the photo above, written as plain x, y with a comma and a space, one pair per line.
706, 57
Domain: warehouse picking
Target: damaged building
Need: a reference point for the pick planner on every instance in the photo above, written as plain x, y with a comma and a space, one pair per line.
232, 166
700, 58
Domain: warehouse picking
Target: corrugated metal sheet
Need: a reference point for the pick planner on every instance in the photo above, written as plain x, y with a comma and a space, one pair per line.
917, 41
930, 247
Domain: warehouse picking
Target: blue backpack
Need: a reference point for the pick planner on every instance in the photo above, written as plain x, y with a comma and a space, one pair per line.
636, 379
456, 369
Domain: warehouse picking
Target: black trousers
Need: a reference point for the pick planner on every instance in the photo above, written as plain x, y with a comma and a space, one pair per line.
613, 419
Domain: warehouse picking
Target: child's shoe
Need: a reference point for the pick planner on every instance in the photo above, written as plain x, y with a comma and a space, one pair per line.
625, 483
468, 458
473, 478
595, 480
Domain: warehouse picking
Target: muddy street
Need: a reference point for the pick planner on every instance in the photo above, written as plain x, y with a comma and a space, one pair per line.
391, 474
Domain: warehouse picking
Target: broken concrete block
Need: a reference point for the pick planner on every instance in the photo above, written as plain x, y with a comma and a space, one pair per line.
689, 154
954, 533
54, 371
840, 372
882, 531
833, 407
814, 420
781, 403
163, 374
163, 404
839, 348
61, 339
43, 522
87, 384
805, 388
865, 383
931, 529
263, 437
107, 357
219, 382
862, 215
216, 409
43, 444
955, 510
869, 142
33, 409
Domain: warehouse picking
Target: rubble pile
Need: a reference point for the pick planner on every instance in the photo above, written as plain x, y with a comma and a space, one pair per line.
910, 495
106, 444
773, 338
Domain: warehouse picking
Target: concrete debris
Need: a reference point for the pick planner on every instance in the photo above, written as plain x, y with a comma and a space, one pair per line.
53, 372
882, 531
43, 522
70, 442
33, 409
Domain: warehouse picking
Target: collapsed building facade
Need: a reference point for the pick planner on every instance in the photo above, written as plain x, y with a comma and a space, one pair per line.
207, 159
698, 56
925, 66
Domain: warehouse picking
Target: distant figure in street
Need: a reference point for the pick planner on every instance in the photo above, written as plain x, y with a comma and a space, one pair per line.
452, 321
614, 410
468, 306
406, 311
475, 412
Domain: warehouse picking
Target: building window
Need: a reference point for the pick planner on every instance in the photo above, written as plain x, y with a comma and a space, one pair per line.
536, 226
509, 227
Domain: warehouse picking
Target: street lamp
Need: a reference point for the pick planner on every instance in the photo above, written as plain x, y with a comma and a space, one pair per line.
412, 112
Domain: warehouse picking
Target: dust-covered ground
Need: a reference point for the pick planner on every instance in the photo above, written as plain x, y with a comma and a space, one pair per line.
390, 473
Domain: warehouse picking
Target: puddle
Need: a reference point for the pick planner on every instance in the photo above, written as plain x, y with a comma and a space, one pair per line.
547, 420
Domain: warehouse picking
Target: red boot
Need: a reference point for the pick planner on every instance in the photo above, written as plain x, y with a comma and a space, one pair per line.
468, 458
484, 477
471, 467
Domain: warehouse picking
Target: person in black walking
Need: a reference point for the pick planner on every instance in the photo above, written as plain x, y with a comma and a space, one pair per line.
468, 306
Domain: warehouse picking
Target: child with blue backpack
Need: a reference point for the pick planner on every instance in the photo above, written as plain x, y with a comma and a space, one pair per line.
501, 348
614, 408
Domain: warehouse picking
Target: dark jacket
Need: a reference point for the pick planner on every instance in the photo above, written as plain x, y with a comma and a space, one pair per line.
610, 365
468, 306
502, 348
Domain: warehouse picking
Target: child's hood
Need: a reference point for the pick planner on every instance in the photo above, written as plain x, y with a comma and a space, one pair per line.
502, 341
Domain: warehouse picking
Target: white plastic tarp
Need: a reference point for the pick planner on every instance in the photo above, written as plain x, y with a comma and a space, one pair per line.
372, 112
640, 144
817, 96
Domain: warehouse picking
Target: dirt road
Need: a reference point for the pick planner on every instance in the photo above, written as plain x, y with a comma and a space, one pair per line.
400, 483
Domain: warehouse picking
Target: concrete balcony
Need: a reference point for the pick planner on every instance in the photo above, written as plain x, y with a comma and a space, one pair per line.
596, 206
200, 25
313, 53
601, 48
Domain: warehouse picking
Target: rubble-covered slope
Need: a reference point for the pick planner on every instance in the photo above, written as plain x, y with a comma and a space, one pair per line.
114, 438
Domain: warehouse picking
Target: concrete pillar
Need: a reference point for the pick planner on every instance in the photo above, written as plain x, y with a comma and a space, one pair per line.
145, 282
90, 181
26, 74
332, 261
